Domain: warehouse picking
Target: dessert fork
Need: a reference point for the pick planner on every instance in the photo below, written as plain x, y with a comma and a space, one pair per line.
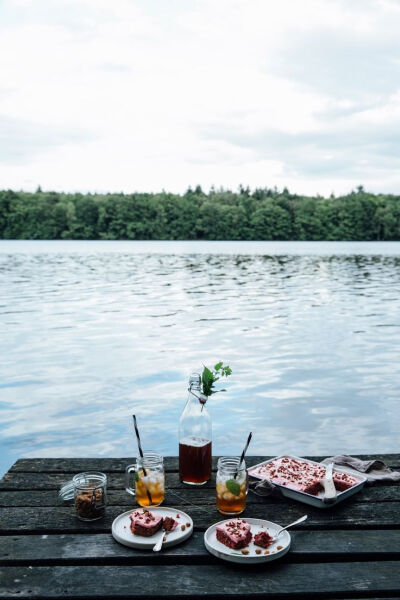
157, 546
275, 537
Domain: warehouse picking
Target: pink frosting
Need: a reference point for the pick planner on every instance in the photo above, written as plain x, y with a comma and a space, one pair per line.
300, 475
145, 518
236, 529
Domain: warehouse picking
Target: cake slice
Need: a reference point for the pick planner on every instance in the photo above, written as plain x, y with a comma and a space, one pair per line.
169, 524
263, 539
144, 522
344, 481
235, 534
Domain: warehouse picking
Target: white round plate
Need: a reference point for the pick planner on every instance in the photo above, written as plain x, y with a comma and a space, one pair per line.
257, 525
121, 529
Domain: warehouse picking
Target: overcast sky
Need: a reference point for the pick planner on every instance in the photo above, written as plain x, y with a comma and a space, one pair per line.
125, 95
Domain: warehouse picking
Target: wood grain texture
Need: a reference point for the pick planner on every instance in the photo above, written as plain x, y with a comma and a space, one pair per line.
351, 550
343, 516
18, 481
276, 578
102, 549
74, 465
119, 497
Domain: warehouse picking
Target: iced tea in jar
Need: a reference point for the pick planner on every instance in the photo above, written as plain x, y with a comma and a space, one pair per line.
148, 479
231, 485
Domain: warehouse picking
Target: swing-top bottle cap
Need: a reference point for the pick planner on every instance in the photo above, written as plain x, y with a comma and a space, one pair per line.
194, 380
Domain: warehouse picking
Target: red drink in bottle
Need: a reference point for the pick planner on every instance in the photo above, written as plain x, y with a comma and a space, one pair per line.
195, 437
195, 460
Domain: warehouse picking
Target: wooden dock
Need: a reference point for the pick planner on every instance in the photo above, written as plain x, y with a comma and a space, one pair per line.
349, 551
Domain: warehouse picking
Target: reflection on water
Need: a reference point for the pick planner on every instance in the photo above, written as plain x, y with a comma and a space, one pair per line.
92, 333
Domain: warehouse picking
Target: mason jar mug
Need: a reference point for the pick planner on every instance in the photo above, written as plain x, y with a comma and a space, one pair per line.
231, 485
146, 479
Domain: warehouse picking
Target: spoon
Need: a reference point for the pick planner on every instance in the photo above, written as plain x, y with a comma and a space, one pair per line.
303, 518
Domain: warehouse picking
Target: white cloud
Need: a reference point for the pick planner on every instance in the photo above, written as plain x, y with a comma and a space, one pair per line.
133, 95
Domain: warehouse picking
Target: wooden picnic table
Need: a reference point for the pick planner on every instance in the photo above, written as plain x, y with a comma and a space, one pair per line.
349, 551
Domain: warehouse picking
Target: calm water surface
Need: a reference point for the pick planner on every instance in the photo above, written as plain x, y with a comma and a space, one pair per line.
94, 331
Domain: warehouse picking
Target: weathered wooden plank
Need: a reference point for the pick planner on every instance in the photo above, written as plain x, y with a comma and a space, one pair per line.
381, 493
76, 465
107, 465
121, 498
52, 481
26, 482
344, 516
276, 578
102, 549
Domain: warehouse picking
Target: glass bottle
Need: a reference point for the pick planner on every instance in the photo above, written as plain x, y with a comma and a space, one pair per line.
195, 436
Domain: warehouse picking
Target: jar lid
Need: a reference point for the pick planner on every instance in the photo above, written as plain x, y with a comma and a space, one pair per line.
67, 491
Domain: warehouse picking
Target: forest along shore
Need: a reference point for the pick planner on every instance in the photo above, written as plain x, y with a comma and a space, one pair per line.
262, 214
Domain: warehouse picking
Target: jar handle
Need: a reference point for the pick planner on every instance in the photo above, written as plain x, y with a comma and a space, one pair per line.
130, 469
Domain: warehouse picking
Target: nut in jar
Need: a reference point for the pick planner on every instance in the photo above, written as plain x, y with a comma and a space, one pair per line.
90, 495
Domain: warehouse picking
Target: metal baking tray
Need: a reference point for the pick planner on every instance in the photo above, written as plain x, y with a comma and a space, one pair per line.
316, 501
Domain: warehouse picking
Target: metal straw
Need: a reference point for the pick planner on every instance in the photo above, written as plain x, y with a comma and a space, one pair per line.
141, 454
243, 453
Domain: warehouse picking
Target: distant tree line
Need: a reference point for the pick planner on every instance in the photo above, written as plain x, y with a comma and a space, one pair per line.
261, 214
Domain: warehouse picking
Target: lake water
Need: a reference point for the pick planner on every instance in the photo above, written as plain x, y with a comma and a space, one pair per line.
92, 332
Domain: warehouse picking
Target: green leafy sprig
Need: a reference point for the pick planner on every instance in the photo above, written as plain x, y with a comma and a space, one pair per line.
210, 377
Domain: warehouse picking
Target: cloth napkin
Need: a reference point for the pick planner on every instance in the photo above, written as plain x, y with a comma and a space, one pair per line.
374, 470
264, 488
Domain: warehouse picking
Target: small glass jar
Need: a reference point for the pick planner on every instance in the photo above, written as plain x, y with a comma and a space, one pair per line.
149, 479
90, 495
231, 485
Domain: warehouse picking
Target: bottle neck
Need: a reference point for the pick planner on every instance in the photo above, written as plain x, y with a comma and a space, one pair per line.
194, 389
195, 420
195, 382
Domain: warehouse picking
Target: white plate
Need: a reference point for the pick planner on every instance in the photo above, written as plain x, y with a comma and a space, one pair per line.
121, 530
310, 499
257, 525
